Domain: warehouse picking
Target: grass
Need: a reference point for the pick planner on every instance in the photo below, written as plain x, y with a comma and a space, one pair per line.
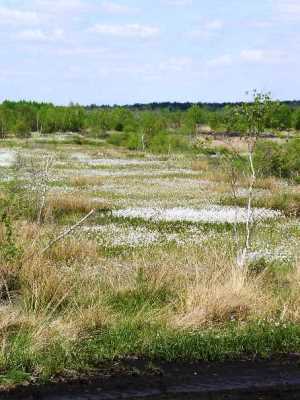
287, 202
188, 305
84, 181
165, 226
72, 203
148, 341
79, 305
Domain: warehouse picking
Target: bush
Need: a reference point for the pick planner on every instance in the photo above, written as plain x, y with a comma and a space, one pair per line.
268, 159
166, 143
79, 139
134, 141
280, 160
293, 157
117, 139
22, 130
179, 143
160, 143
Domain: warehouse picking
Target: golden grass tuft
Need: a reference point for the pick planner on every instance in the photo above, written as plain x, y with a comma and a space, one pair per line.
268, 183
2, 233
72, 249
75, 203
222, 295
209, 288
84, 181
290, 305
43, 286
200, 165
11, 320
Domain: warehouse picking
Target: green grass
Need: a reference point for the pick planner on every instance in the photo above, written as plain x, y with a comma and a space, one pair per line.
142, 304
287, 202
14, 377
165, 226
144, 296
137, 338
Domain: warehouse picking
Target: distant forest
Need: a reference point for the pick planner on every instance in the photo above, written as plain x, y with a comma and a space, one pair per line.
146, 121
183, 106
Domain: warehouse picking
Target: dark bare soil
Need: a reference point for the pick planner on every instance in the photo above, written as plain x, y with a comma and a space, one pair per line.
136, 379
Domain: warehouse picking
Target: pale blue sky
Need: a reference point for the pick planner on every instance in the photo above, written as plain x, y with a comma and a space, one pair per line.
126, 51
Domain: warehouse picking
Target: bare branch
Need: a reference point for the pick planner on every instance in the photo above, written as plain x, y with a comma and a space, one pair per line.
68, 231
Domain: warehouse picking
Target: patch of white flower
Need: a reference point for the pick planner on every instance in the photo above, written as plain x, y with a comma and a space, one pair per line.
268, 255
111, 235
210, 214
120, 235
7, 157
116, 172
156, 185
85, 158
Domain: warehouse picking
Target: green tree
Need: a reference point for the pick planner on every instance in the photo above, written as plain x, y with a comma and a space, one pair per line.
296, 119
194, 117
281, 117
22, 129
151, 124
253, 118
5, 121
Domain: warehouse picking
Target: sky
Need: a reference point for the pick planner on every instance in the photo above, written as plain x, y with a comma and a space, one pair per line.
128, 51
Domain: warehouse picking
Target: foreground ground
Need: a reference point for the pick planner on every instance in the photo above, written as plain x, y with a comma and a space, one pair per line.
140, 379
152, 274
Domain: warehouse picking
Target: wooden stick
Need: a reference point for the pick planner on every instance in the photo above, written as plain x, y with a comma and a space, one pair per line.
67, 232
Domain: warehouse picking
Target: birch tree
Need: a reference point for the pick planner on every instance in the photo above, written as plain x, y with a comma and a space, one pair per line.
253, 119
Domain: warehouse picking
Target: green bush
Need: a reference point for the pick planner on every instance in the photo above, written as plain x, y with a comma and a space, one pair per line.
78, 139
160, 143
280, 160
22, 130
134, 141
179, 143
268, 159
166, 143
117, 139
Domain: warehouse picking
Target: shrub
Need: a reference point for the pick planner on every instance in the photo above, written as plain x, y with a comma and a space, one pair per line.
273, 159
22, 130
286, 202
117, 139
268, 158
78, 139
160, 143
134, 141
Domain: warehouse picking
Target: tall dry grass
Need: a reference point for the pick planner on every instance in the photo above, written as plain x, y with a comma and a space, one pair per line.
188, 288
74, 203
84, 181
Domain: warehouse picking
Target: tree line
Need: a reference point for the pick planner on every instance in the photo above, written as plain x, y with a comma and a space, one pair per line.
147, 121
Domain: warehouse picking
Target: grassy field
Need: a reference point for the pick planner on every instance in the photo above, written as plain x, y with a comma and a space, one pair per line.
153, 273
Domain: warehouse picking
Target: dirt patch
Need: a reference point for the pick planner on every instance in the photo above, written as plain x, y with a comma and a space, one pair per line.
275, 379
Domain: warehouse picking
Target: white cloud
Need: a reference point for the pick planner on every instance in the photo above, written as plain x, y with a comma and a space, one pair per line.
37, 35
290, 6
261, 24
49, 5
17, 17
81, 51
116, 8
176, 64
208, 29
128, 30
214, 25
253, 55
262, 56
221, 61
287, 9
179, 2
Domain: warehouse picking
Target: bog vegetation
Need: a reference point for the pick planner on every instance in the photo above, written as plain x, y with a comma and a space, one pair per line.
122, 230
